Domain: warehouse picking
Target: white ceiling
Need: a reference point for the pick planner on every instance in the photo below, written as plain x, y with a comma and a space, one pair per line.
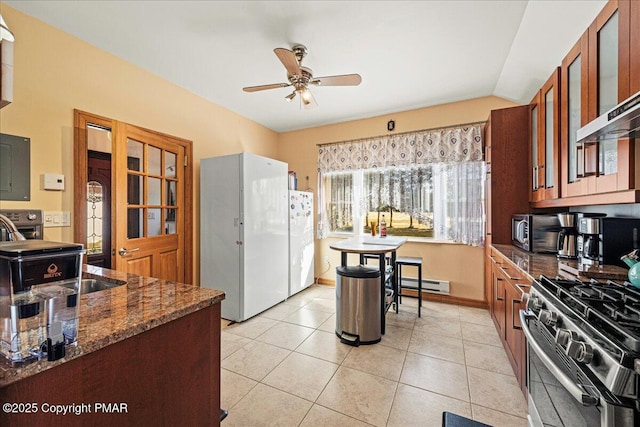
410, 54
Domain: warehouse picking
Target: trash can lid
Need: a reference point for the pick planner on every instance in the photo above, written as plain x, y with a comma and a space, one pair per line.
358, 271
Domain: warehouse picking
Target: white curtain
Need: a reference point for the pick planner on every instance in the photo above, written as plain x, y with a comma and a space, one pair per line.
456, 157
459, 202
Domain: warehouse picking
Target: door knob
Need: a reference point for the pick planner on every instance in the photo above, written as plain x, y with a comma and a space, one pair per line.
124, 251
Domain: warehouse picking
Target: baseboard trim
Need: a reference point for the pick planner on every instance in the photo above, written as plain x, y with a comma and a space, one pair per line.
447, 299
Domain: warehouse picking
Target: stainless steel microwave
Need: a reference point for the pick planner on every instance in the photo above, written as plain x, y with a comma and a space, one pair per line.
535, 232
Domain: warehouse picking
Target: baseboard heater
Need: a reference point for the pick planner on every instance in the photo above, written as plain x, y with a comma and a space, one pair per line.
440, 287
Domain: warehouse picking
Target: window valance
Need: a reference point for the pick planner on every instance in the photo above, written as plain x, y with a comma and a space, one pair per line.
445, 145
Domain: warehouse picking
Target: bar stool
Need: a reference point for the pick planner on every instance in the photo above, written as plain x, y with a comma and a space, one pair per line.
413, 262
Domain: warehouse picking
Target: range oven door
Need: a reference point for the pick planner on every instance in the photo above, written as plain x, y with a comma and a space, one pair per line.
561, 393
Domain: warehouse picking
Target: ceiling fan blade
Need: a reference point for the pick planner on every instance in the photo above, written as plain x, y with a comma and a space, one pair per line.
288, 59
265, 87
308, 101
342, 80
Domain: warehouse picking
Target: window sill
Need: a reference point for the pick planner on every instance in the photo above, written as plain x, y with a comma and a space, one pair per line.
430, 240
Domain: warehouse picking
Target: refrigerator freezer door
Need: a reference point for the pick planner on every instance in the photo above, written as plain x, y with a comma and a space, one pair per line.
301, 246
220, 253
265, 233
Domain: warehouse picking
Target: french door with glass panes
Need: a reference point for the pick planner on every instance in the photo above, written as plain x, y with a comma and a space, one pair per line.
149, 195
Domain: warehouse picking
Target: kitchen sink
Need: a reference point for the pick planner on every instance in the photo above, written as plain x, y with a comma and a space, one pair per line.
88, 286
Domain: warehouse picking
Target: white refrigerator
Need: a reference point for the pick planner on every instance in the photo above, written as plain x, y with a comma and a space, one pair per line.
301, 249
244, 232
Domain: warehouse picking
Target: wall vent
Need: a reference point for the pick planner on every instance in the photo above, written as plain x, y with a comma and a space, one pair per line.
428, 285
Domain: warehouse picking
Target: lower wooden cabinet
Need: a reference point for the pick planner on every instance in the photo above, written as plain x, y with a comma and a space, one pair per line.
508, 283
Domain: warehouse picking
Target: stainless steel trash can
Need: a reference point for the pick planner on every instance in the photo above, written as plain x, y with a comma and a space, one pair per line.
358, 300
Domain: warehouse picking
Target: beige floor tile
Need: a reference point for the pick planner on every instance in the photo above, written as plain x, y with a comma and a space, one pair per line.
279, 312
319, 416
306, 317
326, 292
481, 334
266, 406
479, 316
377, 359
301, 375
437, 375
360, 395
496, 391
445, 326
286, 335
416, 407
251, 328
255, 360
396, 337
487, 357
401, 319
321, 304
230, 343
428, 344
329, 325
233, 387
438, 309
326, 346
496, 418
300, 299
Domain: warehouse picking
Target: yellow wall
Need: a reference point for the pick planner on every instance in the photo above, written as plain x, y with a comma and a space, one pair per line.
460, 264
56, 72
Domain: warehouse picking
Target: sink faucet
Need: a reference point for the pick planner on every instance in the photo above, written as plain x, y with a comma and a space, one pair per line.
12, 230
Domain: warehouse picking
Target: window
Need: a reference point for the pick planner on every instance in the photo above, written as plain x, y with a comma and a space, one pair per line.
441, 200
428, 183
402, 196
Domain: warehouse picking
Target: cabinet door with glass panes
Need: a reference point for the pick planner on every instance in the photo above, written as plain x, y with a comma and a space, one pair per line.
574, 94
545, 126
609, 162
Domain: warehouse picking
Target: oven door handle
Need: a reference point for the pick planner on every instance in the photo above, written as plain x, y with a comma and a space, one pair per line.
576, 390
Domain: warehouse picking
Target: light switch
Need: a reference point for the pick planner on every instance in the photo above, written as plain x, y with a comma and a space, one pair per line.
57, 219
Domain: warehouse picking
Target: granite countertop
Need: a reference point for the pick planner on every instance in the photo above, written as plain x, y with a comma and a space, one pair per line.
113, 315
551, 266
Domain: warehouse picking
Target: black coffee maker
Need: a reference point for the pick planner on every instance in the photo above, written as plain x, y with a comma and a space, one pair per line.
589, 241
567, 236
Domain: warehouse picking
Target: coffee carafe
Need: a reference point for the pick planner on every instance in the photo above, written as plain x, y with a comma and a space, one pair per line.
567, 236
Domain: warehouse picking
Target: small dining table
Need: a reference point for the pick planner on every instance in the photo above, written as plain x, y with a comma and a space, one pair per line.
374, 245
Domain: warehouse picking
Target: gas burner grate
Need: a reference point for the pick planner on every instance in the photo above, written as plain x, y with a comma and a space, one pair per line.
613, 307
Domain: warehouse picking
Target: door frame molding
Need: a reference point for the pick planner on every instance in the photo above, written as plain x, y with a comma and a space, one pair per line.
81, 119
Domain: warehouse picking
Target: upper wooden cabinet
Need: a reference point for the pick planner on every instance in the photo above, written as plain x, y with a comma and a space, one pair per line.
545, 141
600, 71
574, 92
506, 147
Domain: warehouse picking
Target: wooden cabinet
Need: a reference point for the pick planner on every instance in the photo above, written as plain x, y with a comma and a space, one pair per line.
506, 153
600, 71
545, 141
574, 95
508, 285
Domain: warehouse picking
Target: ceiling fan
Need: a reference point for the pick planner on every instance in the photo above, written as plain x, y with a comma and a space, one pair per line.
301, 77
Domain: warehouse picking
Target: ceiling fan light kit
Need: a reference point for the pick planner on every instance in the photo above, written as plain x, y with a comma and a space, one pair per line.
301, 77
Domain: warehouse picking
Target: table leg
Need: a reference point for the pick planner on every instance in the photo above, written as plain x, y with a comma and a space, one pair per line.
394, 280
381, 262
343, 258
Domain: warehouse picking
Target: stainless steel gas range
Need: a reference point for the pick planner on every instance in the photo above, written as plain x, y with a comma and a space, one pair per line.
583, 342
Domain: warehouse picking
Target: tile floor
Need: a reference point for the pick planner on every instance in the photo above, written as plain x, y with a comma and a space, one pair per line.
286, 367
